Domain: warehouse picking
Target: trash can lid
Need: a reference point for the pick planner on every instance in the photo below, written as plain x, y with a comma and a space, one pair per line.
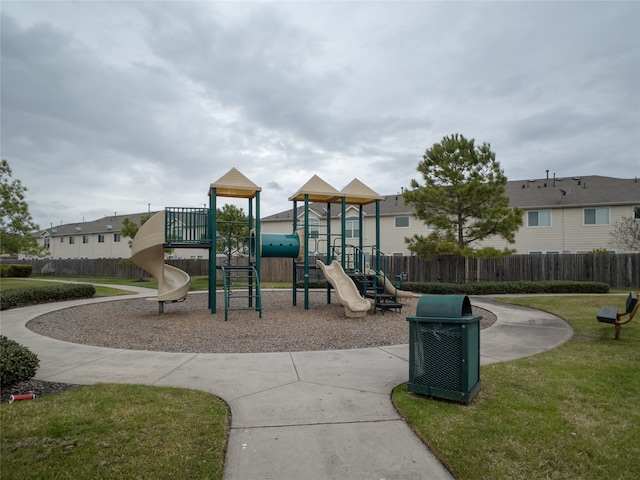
444, 306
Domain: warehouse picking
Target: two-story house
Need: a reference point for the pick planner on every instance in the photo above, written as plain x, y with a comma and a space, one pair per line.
561, 215
570, 215
101, 238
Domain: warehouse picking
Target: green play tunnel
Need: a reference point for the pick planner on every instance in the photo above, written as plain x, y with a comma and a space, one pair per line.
281, 245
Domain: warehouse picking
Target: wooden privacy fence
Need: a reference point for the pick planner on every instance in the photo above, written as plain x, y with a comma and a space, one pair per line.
617, 270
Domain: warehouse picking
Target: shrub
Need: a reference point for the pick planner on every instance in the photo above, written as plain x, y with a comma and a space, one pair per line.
496, 288
11, 270
20, 297
17, 362
313, 283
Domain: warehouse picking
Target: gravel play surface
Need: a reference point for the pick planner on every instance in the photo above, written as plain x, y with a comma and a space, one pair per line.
190, 327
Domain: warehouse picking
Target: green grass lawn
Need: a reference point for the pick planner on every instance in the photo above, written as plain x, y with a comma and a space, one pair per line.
134, 282
115, 431
573, 412
570, 413
8, 283
197, 283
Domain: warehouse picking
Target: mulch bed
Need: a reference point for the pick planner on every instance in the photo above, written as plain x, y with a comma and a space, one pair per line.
190, 327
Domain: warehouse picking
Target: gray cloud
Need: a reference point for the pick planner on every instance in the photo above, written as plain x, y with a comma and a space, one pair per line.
112, 106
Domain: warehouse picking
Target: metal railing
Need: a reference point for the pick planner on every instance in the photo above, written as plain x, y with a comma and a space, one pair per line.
187, 226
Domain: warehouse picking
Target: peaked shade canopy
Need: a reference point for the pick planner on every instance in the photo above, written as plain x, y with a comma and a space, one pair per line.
357, 193
235, 184
318, 191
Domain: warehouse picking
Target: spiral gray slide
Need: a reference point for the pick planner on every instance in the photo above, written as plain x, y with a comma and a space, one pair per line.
147, 251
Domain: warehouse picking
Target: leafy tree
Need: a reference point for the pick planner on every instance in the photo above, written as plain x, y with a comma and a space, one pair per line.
16, 224
232, 228
463, 198
130, 228
626, 234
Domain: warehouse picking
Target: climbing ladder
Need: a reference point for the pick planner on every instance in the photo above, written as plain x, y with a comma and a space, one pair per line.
370, 286
242, 287
369, 281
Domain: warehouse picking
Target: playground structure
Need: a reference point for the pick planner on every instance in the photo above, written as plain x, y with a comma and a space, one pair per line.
147, 251
356, 272
354, 304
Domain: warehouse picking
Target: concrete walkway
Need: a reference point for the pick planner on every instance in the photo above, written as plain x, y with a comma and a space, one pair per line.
299, 415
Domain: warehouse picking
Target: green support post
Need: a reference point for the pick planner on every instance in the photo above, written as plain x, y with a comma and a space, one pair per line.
306, 252
329, 253
361, 238
256, 255
378, 235
258, 243
343, 245
213, 228
295, 271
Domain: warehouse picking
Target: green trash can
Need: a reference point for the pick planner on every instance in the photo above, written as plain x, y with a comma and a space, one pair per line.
444, 348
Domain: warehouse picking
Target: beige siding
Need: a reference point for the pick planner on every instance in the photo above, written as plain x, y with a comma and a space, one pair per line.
567, 232
391, 238
60, 247
108, 249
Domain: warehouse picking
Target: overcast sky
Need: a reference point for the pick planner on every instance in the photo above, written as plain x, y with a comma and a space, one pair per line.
109, 107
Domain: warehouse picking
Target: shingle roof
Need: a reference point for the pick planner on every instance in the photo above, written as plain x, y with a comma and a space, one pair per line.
591, 190
573, 192
389, 205
534, 193
107, 224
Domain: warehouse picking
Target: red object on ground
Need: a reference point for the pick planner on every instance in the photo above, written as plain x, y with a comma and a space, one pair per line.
24, 396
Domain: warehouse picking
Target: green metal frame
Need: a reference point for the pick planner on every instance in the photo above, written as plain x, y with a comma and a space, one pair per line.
254, 249
248, 273
201, 227
444, 348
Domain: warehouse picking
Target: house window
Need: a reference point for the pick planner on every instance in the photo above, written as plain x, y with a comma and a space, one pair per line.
47, 241
85, 238
351, 228
636, 212
314, 227
72, 240
101, 238
402, 222
398, 254
116, 238
61, 239
539, 218
596, 216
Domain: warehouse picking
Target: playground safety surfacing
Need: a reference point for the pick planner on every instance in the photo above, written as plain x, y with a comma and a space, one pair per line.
189, 327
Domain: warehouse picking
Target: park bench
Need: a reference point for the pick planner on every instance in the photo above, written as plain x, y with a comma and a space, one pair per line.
613, 316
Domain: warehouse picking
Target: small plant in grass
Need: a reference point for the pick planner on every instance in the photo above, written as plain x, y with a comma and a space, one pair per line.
17, 362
